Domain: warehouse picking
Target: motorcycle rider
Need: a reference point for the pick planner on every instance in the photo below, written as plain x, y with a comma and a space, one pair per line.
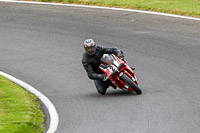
91, 61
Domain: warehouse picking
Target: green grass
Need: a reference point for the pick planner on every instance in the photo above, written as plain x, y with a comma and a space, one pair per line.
180, 7
20, 111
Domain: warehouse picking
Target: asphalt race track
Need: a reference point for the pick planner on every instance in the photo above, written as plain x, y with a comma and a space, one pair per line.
43, 46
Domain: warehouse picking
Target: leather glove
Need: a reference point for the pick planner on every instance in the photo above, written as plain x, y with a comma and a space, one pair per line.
102, 77
120, 55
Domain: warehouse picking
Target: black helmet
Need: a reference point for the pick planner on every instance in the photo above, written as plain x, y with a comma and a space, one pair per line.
90, 46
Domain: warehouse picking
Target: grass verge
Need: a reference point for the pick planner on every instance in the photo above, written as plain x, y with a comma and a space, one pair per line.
180, 7
20, 111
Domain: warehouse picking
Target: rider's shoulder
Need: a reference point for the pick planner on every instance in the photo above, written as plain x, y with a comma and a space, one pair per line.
100, 48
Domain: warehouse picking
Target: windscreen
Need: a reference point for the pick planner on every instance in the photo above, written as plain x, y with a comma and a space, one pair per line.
107, 59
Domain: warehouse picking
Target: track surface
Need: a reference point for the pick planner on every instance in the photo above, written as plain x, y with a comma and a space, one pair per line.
42, 45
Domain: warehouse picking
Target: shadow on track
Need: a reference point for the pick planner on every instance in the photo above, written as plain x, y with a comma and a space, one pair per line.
111, 93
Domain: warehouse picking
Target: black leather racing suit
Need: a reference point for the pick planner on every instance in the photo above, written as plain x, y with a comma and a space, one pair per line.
91, 64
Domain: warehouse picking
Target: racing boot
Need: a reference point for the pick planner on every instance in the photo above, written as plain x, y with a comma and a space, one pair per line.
113, 86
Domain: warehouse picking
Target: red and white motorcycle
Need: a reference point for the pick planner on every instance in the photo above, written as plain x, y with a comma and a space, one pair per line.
119, 73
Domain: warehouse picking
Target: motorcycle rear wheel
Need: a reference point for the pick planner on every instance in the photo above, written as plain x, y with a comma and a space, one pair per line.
131, 84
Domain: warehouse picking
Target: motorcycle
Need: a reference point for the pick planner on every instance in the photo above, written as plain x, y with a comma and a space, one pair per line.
119, 73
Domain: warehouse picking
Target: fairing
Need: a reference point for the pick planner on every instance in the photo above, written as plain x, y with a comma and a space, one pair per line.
111, 65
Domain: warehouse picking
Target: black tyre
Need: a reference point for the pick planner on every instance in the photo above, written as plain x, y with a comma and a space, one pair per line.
131, 84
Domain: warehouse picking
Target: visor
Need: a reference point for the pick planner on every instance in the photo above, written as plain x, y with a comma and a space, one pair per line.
90, 50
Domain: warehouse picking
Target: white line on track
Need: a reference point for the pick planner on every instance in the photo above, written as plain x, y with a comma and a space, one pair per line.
51, 109
97, 7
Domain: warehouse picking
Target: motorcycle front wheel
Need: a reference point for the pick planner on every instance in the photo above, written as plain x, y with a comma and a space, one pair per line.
126, 79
